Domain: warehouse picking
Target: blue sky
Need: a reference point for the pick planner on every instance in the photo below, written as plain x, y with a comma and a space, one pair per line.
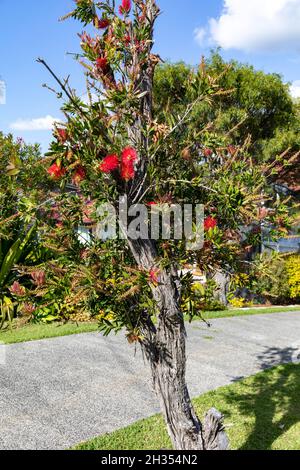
263, 33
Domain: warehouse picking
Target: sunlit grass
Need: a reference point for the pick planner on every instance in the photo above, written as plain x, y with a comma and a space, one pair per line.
261, 413
32, 332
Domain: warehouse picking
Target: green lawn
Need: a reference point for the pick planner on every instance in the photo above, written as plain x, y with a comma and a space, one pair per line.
247, 311
261, 413
32, 332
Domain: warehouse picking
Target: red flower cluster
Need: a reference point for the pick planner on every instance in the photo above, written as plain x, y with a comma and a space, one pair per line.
102, 64
109, 164
125, 7
127, 172
126, 165
103, 23
210, 223
56, 171
128, 159
129, 155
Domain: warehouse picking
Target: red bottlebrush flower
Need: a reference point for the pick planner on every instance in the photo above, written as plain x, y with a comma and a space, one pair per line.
152, 203
56, 171
154, 275
17, 289
129, 155
125, 7
210, 223
207, 152
103, 23
109, 164
79, 175
39, 277
102, 63
128, 159
127, 171
62, 135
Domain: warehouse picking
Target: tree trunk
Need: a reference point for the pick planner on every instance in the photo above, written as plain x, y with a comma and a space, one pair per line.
164, 346
164, 342
222, 281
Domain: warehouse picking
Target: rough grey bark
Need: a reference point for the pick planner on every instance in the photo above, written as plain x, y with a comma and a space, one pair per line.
222, 281
165, 349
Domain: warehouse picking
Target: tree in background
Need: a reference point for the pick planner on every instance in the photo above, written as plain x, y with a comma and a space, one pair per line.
118, 145
259, 105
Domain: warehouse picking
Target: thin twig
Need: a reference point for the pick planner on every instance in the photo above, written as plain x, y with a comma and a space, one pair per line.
63, 86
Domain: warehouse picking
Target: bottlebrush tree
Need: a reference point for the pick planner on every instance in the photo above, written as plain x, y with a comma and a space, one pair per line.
113, 145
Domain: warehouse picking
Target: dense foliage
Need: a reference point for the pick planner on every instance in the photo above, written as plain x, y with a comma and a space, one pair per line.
188, 151
272, 278
259, 104
22, 192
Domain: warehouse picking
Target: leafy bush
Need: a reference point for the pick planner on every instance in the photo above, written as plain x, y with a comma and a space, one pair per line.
198, 297
277, 278
237, 302
21, 192
292, 267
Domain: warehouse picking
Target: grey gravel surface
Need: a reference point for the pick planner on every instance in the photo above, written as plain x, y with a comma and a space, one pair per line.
58, 392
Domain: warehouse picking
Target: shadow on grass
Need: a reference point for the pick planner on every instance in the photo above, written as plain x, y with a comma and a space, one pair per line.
260, 411
272, 399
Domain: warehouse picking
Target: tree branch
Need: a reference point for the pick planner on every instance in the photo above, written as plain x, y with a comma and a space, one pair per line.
63, 87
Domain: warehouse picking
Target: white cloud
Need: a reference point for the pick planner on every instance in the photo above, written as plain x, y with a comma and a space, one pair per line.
39, 124
255, 25
200, 35
295, 89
